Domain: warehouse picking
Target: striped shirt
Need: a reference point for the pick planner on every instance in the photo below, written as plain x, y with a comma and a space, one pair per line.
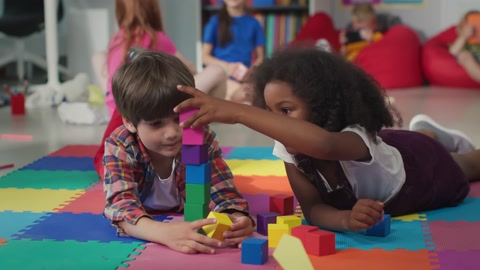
129, 178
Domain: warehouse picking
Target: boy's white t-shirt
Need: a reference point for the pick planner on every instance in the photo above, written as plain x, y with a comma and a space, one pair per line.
381, 178
164, 195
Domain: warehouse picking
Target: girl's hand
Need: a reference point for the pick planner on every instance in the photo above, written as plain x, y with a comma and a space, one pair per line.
365, 213
210, 109
183, 237
241, 229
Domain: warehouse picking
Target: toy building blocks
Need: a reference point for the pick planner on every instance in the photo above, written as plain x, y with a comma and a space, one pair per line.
199, 174
254, 251
291, 221
191, 136
282, 204
301, 232
275, 232
382, 229
216, 230
320, 243
198, 194
194, 211
263, 220
194, 154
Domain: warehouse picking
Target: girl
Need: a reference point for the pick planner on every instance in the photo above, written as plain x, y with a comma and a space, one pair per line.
140, 24
326, 116
468, 55
229, 39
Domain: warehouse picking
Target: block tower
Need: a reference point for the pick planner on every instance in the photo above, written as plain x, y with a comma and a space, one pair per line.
198, 170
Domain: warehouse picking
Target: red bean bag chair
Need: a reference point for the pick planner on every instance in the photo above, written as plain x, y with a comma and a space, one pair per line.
394, 61
440, 67
115, 122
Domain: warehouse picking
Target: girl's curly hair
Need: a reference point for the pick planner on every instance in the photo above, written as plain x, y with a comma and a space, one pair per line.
337, 92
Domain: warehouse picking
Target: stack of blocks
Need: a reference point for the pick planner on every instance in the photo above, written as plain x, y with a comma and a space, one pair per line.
198, 170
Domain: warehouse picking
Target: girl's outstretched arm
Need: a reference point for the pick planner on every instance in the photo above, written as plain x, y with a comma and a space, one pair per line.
303, 136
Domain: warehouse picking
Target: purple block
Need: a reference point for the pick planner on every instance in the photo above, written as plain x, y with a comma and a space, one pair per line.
194, 154
263, 220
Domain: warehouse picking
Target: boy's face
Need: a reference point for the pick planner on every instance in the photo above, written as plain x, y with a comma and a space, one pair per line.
161, 137
280, 99
359, 24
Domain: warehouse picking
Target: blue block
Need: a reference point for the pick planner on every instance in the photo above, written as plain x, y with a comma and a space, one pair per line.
263, 220
254, 251
199, 174
194, 154
382, 229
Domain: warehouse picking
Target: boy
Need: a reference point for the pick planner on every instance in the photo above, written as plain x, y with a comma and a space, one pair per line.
362, 33
142, 165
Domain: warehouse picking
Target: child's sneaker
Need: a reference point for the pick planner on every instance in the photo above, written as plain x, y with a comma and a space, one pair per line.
454, 141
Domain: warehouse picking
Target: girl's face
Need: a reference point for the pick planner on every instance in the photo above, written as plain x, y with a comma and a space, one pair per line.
234, 3
161, 137
280, 99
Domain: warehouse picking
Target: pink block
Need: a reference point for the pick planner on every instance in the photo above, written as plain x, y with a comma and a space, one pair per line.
192, 136
301, 232
320, 243
185, 114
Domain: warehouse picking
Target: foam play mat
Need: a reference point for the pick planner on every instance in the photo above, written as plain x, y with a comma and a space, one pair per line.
51, 218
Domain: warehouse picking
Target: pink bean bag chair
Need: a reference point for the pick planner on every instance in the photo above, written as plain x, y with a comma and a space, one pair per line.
440, 67
394, 61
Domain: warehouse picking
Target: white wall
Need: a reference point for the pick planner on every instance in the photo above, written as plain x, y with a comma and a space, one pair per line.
430, 18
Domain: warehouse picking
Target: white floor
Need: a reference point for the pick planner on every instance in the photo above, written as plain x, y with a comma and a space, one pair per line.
455, 108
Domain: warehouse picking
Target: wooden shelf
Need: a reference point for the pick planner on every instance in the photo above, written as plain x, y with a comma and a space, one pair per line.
264, 9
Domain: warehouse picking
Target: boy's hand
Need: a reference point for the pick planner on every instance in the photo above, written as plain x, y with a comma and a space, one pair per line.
183, 237
241, 229
365, 213
211, 109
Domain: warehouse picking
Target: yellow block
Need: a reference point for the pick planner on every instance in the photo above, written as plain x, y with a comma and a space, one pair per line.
275, 232
291, 254
216, 230
35, 200
292, 221
256, 167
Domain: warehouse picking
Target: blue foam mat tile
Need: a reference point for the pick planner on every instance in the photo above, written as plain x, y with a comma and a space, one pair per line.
256, 153
404, 235
468, 210
62, 164
13, 222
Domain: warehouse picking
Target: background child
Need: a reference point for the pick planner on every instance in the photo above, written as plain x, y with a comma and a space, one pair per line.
140, 24
229, 39
467, 54
143, 169
345, 170
362, 33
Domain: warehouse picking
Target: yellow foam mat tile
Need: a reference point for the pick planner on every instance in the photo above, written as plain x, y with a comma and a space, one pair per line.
412, 217
257, 167
35, 200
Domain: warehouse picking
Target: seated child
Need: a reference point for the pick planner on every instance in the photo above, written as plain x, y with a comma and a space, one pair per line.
362, 33
466, 48
345, 164
142, 161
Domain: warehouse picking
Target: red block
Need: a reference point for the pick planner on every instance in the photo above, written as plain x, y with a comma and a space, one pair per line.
17, 104
281, 204
301, 232
320, 243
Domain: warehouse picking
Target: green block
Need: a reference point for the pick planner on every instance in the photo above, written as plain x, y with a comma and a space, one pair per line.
198, 193
194, 212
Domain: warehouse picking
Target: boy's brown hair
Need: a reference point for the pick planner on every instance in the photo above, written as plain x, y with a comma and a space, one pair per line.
364, 11
146, 88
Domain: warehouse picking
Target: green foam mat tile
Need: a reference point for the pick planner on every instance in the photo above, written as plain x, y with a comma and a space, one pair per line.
71, 180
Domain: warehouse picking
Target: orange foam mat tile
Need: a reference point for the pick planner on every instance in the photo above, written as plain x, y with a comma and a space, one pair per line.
263, 184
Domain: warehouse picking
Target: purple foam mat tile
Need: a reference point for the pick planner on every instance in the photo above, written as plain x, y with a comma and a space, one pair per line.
224, 258
257, 203
458, 235
475, 190
454, 260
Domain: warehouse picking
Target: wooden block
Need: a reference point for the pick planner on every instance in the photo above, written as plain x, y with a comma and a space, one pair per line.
194, 154
254, 251
282, 204
194, 212
382, 229
263, 220
198, 193
291, 255
275, 232
199, 174
301, 232
291, 221
320, 243
216, 230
